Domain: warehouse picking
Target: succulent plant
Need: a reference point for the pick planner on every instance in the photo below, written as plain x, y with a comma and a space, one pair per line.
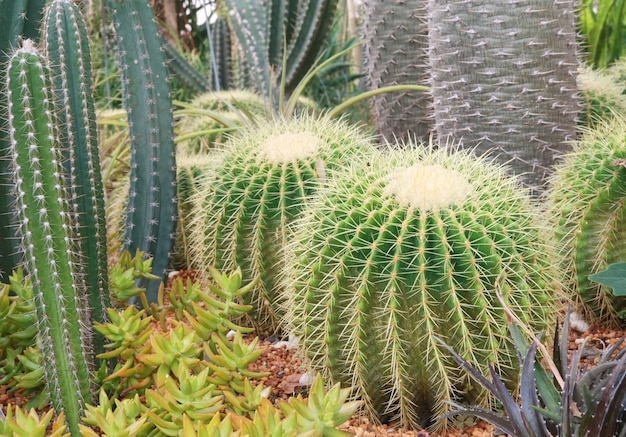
587, 198
19, 20
567, 401
601, 97
503, 80
396, 52
406, 245
19, 423
261, 181
280, 38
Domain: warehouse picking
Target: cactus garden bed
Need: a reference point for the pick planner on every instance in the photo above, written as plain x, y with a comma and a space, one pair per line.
287, 377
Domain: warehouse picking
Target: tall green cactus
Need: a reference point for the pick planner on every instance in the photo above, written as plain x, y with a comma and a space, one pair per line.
503, 79
44, 219
18, 19
152, 206
588, 212
407, 245
67, 51
259, 185
396, 53
263, 29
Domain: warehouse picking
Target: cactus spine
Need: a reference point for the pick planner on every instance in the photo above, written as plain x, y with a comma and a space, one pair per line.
152, 207
588, 209
405, 246
67, 51
46, 232
503, 79
259, 186
396, 46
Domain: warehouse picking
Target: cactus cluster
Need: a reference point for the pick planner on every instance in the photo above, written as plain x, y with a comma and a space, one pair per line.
262, 178
405, 246
265, 30
587, 199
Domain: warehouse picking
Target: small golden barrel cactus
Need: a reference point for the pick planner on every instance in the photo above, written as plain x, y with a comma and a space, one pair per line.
262, 179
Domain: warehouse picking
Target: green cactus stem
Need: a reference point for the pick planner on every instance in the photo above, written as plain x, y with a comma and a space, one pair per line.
152, 206
396, 53
587, 207
503, 79
46, 232
404, 246
19, 19
261, 181
264, 29
67, 51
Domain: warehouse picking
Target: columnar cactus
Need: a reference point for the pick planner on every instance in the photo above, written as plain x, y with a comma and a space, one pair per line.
503, 79
588, 196
67, 51
18, 20
151, 213
410, 245
261, 181
396, 53
43, 216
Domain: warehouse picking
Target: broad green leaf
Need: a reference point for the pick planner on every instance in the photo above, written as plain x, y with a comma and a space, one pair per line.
614, 277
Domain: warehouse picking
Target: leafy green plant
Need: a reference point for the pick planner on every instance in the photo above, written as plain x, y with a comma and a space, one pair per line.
567, 400
19, 423
587, 215
601, 24
614, 277
405, 245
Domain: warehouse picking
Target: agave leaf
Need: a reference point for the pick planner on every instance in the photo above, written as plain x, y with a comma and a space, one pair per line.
528, 394
568, 425
501, 422
516, 425
611, 405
